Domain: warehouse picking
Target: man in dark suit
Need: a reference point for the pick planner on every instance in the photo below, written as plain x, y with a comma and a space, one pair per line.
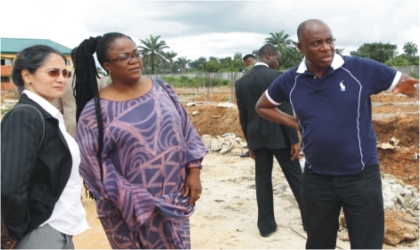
267, 139
249, 61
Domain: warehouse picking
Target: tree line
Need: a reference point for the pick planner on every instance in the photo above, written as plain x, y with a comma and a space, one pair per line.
157, 58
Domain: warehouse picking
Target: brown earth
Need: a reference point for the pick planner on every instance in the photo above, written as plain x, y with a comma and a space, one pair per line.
225, 217
214, 120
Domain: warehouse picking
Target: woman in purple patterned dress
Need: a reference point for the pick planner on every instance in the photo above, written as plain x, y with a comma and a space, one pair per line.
141, 155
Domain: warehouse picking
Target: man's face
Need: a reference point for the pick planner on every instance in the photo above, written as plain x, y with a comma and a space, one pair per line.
274, 60
317, 44
249, 61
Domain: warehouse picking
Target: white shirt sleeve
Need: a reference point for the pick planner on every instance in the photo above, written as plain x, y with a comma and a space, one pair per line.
395, 82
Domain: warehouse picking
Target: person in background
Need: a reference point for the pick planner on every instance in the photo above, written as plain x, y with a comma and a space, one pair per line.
67, 104
267, 139
330, 95
40, 184
249, 61
141, 155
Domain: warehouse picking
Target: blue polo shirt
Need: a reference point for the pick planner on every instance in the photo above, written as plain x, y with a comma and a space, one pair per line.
334, 112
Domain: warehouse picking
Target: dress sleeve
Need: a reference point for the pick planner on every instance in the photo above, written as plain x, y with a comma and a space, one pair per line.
196, 150
114, 194
134, 204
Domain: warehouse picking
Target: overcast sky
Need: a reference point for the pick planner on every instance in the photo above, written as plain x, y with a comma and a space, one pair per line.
211, 28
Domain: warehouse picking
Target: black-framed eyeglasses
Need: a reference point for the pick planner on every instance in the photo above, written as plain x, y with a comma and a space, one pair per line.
56, 72
127, 58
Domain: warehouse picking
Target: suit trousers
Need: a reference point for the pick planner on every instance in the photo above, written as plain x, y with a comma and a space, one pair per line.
264, 187
359, 195
45, 237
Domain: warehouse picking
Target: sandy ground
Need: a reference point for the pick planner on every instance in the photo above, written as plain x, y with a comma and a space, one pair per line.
226, 214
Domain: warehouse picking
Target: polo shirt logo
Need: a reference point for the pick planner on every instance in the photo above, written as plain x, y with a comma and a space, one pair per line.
342, 87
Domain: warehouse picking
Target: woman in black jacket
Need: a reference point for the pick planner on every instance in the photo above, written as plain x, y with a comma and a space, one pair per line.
40, 183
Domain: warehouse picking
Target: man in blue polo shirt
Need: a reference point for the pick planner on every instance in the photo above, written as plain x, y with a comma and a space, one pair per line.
330, 95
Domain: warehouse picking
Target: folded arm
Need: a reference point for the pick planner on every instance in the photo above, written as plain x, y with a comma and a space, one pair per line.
269, 111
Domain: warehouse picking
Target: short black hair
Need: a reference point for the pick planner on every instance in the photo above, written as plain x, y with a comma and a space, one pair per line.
267, 49
248, 56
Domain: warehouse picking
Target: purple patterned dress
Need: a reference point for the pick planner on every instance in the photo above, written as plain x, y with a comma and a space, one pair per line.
149, 143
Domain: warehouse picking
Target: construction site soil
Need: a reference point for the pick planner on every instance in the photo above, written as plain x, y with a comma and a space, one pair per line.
395, 116
225, 215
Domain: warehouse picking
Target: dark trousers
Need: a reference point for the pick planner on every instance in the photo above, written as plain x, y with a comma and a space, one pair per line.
264, 187
359, 195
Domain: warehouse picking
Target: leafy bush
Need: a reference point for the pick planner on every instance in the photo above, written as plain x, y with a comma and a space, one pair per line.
185, 81
414, 75
398, 61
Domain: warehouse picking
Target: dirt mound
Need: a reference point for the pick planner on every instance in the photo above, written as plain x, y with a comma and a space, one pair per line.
388, 97
213, 120
404, 128
400, 161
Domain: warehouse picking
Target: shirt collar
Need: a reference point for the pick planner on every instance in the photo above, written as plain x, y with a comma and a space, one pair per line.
336, 63
260, 63
43, 103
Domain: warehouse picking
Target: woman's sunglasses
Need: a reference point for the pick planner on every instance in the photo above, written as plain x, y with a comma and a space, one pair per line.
56, 72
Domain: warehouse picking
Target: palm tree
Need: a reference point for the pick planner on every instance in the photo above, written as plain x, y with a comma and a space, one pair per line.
290, 56
183, 61
201, 61
279, 39
410, 48
339, 51
170, 56
153, 51
255, 52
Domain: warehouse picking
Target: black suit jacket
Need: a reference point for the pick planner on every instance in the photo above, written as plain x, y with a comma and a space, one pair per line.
32, 180
259, 132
